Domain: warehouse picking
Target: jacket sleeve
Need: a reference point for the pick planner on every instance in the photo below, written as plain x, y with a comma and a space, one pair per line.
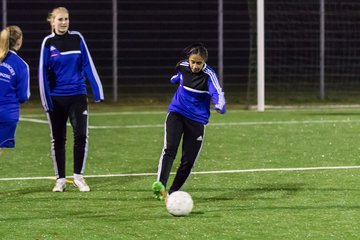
43, 78
91, 73
176, 78
217, 94
23, 83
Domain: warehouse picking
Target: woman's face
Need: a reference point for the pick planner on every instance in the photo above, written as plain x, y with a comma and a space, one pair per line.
61, 23
196, 63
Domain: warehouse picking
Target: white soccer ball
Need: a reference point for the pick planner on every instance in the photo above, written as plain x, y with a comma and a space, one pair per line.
179, 203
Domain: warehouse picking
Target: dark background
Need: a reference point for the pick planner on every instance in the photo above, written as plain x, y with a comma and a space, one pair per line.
152, 34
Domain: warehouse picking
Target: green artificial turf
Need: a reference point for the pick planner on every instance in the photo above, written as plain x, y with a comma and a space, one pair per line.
261, 175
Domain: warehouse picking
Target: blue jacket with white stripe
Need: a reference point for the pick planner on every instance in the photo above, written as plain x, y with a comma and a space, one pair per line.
14, 86
65, 65
195, 91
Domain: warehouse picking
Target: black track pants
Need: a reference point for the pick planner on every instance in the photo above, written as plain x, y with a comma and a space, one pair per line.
75, 109
177, 127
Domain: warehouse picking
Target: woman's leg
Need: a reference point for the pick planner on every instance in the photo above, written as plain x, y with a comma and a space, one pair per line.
192, 143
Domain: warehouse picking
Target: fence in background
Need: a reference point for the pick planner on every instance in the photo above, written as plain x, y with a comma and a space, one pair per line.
152, 33
150, 37
311, 50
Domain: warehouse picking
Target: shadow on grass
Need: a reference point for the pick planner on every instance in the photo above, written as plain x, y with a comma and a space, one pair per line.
263, 191
292, 207
252, 199
334, 113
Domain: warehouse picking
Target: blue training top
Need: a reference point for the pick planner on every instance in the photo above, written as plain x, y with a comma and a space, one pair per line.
14, 86
192, 98
65, 65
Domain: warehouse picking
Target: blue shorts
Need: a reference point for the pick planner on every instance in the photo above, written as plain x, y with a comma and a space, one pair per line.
7, 134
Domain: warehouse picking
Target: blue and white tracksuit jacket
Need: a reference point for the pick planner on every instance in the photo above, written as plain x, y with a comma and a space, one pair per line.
65, 65
195, 91
14, 86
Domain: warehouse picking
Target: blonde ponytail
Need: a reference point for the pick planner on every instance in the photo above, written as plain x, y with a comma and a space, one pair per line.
8, 39
4, 43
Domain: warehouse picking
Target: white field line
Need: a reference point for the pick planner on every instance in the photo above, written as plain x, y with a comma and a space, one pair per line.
33, 120
104, 114
269, 108
196, 173
321, 121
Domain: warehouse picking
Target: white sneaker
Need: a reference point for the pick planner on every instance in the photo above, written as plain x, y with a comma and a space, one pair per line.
60, 185
81, 184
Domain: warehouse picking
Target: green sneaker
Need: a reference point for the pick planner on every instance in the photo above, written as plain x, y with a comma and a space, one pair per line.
159, 190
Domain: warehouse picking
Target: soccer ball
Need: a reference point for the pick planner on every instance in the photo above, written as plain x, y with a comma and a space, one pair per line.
179, 203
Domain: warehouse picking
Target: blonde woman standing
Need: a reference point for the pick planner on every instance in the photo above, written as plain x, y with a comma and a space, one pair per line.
14, 84
65, 66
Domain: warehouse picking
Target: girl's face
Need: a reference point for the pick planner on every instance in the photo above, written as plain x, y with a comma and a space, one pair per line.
196, 62
61, 23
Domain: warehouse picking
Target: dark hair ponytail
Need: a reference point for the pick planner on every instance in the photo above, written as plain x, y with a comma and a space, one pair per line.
196, 48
